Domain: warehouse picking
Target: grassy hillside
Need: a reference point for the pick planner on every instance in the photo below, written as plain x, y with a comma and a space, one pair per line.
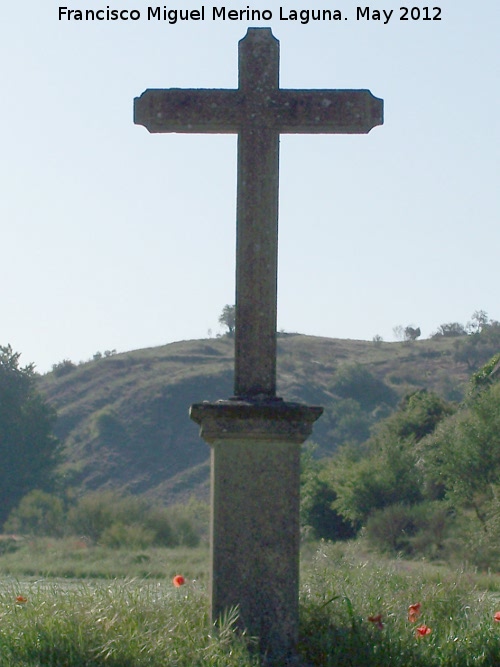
124, 420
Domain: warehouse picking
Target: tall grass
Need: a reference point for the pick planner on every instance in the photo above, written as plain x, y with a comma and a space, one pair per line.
121, 624
138, 622
341, 590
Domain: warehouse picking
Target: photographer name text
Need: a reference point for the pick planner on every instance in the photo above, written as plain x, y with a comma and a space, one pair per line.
212, 13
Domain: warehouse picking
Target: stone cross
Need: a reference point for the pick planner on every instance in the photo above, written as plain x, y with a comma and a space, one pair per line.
255, 437
258, 111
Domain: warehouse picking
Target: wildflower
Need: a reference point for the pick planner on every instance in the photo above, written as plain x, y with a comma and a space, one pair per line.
178, 580
21, 599
377, 620
497, 617
423, 630
414, 612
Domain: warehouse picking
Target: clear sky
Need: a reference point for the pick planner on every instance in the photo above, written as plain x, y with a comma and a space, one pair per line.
114, 238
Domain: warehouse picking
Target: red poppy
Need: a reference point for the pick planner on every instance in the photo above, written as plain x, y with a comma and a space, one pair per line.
497, 617
377, 620
423, 630
21, 599
414, 612
178, 580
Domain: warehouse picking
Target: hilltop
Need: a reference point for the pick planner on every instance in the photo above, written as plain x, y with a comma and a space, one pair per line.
123, 419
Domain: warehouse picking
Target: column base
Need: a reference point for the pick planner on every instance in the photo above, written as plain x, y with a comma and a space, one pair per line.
255, 531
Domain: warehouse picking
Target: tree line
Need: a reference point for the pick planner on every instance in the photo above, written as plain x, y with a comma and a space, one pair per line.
426, 483
425, 476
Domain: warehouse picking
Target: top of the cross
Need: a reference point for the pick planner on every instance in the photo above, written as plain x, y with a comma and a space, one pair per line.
256, 36
258, 102
259, 60
259, 35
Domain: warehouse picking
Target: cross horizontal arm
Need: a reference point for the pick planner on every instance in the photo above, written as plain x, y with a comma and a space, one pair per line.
285, 111
197, 110
326, 111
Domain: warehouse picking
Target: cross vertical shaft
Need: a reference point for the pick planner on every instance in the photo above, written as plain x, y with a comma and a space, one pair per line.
257, 223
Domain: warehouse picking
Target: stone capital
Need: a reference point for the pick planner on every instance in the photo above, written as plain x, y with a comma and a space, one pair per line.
271, 420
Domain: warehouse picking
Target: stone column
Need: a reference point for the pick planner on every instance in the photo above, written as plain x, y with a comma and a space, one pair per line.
255, 534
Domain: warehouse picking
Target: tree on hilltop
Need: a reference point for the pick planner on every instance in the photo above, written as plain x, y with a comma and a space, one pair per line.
228, 318
412, 333
478, 322
406, 333
450, 330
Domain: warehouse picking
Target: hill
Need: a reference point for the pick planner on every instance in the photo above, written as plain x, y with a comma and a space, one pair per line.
124, 420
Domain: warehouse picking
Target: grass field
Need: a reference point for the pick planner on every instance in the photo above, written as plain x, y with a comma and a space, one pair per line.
64, 604
73, 558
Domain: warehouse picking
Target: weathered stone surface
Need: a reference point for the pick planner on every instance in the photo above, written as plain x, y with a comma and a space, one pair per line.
255, 530
255, 438
270, 420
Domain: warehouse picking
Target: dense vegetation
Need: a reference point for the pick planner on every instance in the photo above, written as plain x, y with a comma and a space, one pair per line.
426, 483
28, 448
355, 609
405, 452
110, 519
122, 418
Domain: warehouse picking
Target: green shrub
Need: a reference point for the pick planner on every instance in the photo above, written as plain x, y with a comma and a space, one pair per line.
38, 513
190, 522
94, 513
416, 530
318, 518
133, 536
185, 534
357, 382
478, 540
158, 521
111, 518
63, 367
8, 545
